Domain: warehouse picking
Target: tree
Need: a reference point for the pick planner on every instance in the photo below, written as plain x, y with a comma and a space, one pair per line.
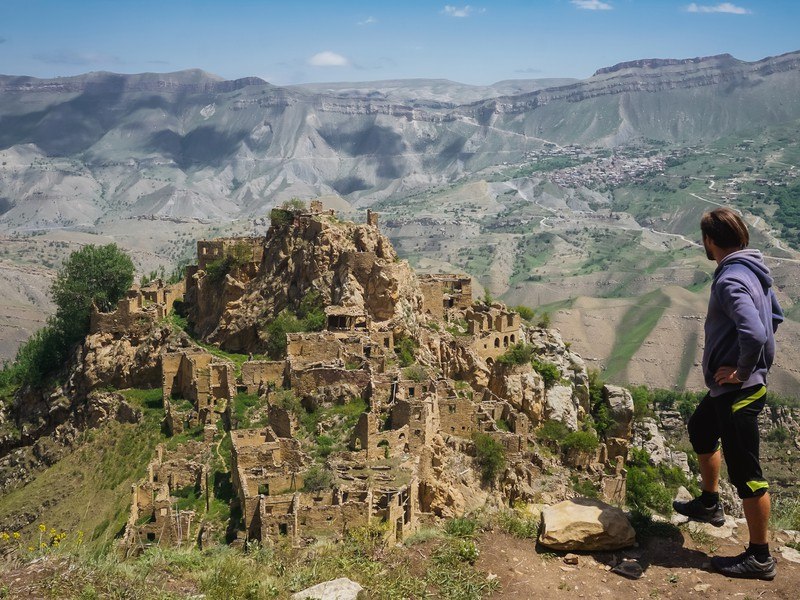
94, 274
490, 456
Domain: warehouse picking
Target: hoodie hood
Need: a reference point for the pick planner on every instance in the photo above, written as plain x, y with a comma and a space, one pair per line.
753, 260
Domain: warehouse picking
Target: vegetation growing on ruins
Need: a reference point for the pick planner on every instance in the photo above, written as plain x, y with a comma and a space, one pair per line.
406, 350
549, 372
98, 275
490, 455
233, 260
581, 441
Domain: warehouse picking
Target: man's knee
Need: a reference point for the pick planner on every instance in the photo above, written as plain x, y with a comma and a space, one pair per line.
750, 488
699, 435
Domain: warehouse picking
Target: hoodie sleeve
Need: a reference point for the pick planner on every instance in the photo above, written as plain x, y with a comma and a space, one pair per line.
738, 305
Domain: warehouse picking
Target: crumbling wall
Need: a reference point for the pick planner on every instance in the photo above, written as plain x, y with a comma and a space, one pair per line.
258, 374
312, 348
457, 416
433, 298
309, 382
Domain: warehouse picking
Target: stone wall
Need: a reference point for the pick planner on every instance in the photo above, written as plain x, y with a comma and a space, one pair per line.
257, 374
251, 249
457, 416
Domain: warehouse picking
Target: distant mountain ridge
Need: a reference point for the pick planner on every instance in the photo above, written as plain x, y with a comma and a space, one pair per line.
189, 145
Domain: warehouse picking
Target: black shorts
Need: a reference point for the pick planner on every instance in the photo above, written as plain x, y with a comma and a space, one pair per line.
733, 417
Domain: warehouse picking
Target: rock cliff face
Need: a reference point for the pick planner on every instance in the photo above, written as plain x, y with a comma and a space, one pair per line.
254, 144
346, 264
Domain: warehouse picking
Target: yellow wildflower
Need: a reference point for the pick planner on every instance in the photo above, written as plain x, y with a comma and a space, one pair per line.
42, 527
30, 548
16, 535
4, 536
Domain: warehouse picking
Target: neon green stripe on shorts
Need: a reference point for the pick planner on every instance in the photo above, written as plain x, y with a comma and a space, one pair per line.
749, 400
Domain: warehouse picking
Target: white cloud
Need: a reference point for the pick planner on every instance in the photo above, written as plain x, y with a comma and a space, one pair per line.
328, 59
368, 21
722, 7
592, 5
464, 11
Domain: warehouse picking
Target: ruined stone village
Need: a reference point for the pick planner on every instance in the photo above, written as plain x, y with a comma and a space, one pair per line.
401, 374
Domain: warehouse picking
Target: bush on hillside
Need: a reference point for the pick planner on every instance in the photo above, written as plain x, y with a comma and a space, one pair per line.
490, 455
582, 441
549, 372
518, 354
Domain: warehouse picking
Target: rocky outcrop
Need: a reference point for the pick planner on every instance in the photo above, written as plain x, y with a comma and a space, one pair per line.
559, 406
647, 436
586, 525
106, 360
347, 264
523, 388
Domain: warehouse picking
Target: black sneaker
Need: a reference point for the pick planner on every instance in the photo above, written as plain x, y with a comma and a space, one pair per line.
695, 510
745, 566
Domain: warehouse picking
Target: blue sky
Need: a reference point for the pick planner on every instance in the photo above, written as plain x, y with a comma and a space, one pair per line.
304, 41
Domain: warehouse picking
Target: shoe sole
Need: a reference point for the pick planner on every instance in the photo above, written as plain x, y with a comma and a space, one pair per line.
769, 576
765, 577
714, 522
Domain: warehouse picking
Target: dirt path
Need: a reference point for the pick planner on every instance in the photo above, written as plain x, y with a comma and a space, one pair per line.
673, 568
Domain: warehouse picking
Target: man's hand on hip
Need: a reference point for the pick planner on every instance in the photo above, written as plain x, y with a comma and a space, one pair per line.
726, 375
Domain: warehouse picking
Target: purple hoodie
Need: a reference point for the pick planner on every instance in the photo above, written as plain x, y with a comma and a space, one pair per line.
743, 315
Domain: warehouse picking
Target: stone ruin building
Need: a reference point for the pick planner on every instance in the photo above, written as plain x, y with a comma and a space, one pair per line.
155, 516
140, 307
389, 469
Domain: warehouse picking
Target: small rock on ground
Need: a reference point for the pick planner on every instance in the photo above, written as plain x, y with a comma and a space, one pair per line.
337, 589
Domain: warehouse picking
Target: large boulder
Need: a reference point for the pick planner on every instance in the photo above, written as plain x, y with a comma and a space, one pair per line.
586, 525
337, 589
561, 406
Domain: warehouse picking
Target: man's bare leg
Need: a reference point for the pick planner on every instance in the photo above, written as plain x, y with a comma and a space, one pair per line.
756, 511
709, 471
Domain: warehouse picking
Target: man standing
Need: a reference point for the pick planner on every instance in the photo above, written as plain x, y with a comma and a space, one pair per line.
743, 315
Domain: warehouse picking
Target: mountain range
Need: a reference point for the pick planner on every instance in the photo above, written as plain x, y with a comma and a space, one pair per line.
461, 173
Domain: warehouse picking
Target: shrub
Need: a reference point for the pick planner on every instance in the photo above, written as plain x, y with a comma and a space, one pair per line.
779, 435
517, 524
548, 371
415, 373
310, 317
645, 492
462, 527
584, 487
406, 350
234, 259
552, 430
652, 488
641, 401
518, 354
544, 320
582, 441
490, 455
525, 312
601, 416
317, 479
311, 311
285, 322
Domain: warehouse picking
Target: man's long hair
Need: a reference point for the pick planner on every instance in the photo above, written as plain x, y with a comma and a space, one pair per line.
725, 228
